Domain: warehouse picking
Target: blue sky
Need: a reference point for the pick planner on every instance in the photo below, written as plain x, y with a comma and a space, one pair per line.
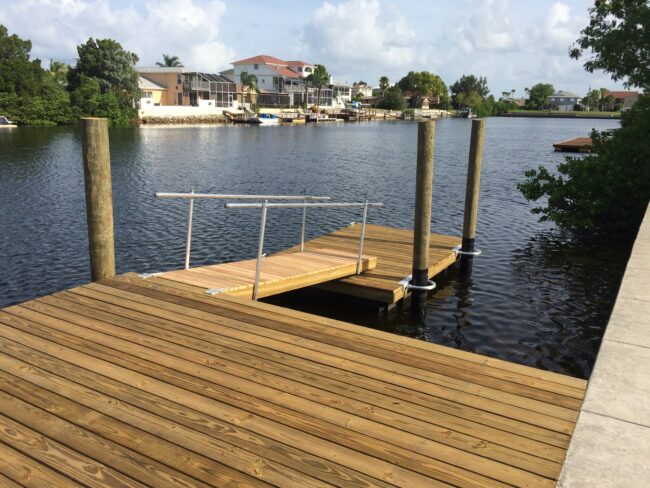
513, 43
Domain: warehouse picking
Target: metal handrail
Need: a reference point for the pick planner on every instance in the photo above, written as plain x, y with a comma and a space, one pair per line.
266, 205
217, 196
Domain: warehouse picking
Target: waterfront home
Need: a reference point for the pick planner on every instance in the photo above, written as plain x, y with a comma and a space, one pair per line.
564, 100
341, 93
281, 83
619, 100
179, 86
363, 88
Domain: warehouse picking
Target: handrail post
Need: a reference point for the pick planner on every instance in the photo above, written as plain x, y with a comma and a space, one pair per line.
260, 249
304, 225
188, 244
363, 233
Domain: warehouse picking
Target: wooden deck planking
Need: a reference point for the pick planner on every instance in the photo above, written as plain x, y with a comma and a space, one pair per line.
394, 251
279, 273
154, 382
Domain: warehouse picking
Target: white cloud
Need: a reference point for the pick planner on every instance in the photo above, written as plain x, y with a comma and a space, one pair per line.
354, 35
183, 28
488, 27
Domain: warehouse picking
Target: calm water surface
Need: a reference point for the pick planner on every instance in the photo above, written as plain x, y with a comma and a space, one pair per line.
537, 296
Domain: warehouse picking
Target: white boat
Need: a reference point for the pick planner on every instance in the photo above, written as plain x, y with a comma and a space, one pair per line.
264, 119
5, 123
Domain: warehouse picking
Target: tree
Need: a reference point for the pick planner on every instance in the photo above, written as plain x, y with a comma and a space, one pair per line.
393, 99
384, 83
170, 61
424, 84
617, 40
59, 71
249, 82
18, 74
468, 85
112, 67
538, 96
610, 188
319, 78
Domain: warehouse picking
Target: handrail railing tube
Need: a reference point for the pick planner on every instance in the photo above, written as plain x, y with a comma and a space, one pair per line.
260, 251
188, 244
218, 196
304, 225
363, 233
266, 205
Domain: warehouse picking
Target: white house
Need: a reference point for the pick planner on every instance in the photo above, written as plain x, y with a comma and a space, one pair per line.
564, 100
363, 88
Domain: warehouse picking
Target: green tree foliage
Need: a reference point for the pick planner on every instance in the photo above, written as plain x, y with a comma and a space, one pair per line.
170, 61
425, 84
393, 99
611, 188
538, 96
319, 78
469, 85
18, 75
384, 83
249, 83
617, 40
112, 68
59, 71
607, 190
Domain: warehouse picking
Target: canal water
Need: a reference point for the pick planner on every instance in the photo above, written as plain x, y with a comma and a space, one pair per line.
538, 296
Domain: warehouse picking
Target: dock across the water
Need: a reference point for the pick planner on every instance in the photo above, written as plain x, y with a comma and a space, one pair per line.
133, 382
579, 144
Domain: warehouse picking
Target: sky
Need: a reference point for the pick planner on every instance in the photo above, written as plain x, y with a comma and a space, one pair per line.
514, 43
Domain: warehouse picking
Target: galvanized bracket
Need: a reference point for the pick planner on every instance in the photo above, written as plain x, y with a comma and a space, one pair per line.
407, 285
215, 291
459, 252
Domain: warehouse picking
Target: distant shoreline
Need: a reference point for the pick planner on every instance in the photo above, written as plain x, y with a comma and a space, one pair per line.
560, 115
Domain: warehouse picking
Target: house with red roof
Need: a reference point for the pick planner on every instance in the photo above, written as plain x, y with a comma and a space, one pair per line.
280, 83
619, 100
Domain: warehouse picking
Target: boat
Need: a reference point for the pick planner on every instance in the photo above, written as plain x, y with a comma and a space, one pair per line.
264, 119
5, 123
467, 113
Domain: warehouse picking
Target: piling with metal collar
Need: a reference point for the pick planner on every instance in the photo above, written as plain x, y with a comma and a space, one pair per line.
99, 199
468, 250
422, 224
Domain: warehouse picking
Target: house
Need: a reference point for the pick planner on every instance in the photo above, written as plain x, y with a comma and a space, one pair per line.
151, 93
519, 102
342, 92
619, 100
281, 83
413, 100
564, 100
363, 88
178, 86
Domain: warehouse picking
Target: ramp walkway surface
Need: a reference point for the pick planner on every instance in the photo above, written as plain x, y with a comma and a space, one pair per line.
132, 382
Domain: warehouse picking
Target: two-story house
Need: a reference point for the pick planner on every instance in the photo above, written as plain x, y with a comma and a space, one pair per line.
564, 100
619, 100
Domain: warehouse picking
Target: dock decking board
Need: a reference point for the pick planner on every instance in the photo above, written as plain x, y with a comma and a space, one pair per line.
279, 273
153, 382
394, 251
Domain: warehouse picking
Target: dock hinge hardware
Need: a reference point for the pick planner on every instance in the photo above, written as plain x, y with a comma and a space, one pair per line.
460, 252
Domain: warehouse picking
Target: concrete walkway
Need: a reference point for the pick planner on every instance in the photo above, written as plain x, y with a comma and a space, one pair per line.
611, 442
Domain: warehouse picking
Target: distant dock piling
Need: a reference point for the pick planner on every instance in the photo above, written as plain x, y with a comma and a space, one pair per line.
99, 199
422, 224
468, 250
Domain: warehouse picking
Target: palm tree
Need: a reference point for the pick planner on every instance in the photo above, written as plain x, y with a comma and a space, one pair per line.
319, 78
249, 82
60, 71
170, 61
383, 84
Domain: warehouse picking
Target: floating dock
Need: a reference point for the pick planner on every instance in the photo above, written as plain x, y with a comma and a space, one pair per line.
132, 382
579, 144
394, 251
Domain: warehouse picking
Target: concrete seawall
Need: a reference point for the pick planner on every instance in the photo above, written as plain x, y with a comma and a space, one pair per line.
611, 443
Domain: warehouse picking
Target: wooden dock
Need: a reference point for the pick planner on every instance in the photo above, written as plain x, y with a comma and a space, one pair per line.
279, 273
394, 251
133, 382
579, 144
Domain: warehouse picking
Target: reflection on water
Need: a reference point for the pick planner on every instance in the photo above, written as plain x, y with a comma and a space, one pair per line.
536, 296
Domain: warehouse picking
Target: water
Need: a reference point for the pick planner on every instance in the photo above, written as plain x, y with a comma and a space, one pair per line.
537, 296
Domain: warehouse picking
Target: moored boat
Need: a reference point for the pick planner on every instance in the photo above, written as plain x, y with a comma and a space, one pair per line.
5, 123
264, 119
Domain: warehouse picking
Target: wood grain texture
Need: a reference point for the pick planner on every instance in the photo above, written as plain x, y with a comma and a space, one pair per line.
130, 382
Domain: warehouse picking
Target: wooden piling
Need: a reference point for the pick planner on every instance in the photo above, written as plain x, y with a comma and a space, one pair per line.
471, 193
99, 200
422, 224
